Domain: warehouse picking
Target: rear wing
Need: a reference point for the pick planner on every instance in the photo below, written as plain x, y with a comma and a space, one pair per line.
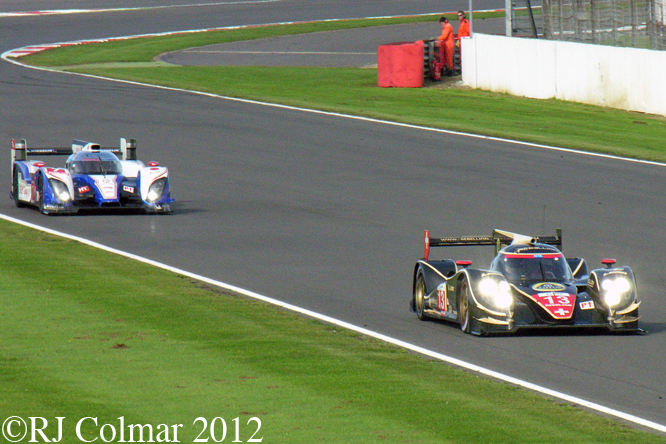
499, 240
20, 150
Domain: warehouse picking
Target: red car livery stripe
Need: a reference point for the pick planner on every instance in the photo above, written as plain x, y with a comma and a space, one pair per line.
558, 304
533, 255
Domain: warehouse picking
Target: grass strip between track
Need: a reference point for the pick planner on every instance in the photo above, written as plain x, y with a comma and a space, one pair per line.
87, 333
355, 91
118, 338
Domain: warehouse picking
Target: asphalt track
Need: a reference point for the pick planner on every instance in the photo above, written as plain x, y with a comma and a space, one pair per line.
346, 48
327, 212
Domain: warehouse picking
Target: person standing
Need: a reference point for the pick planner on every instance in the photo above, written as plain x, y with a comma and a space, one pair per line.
464, 30
446, 45
463, 27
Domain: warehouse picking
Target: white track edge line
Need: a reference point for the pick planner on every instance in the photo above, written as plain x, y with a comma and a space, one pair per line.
330, 320
352, 117
324, 318
141, 8
5, 56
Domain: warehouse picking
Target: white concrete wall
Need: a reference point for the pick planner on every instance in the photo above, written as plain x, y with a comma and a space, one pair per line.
624, 78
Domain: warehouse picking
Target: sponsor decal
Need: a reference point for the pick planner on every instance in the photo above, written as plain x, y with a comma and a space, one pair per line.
587, 305
56, 171
558, 305
620, 271
549, 286
25, 190
441, 298
553, 293
466, 239
84, 189
128, 189
107, 186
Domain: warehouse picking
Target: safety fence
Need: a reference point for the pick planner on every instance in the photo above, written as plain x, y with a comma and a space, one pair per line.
627, 23
576, 72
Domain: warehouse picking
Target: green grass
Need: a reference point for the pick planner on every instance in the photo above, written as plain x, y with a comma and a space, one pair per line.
355, 91
91, 334
145, 49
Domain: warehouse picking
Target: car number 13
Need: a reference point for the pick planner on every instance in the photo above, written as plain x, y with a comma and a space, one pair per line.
217, 430
561, 300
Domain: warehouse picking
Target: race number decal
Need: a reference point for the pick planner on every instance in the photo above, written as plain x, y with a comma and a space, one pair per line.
558, 304
441, 298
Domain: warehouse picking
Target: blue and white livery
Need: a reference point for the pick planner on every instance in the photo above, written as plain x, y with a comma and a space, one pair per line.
92, 178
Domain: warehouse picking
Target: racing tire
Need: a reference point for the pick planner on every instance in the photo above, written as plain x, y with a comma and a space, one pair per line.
464, 308
15, 189
419, 297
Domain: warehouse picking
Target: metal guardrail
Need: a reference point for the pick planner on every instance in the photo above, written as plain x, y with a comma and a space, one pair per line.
431, 53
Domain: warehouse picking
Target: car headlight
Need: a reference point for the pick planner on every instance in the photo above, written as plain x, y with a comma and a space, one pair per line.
498, 292
60, 190
156, 190
614, 289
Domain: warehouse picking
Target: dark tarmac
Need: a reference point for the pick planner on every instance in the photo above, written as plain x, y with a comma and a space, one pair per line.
345, 48
327, 212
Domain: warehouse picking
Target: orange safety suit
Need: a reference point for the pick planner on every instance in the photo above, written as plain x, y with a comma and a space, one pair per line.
446, 45
463, 29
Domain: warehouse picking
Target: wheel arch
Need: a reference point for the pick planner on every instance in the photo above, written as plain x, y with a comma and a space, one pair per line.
434, 273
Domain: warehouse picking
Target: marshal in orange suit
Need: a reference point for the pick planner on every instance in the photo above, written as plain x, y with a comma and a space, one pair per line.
446, 43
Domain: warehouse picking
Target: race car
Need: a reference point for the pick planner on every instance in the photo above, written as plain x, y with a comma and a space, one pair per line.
529, 284
92, 178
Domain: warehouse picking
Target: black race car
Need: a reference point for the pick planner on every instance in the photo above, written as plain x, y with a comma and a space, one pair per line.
529, 284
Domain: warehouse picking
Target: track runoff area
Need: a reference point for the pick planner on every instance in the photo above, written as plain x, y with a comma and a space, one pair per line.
342, 324
11, 55
141, 8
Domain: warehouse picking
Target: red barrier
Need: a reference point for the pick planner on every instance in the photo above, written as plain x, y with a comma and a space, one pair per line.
400, 65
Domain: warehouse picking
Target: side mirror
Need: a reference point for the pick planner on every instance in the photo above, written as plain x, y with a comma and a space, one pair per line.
608, 262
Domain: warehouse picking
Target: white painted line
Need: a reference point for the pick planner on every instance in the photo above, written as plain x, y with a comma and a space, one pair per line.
360, 118
361, 330
324, 318
140, 8
9, 57
201, 51
17, 51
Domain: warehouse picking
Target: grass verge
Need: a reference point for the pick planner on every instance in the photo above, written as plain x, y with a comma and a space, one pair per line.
355, 91
88, 334
91, 334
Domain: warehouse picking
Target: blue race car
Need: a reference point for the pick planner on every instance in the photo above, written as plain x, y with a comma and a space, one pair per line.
93, 178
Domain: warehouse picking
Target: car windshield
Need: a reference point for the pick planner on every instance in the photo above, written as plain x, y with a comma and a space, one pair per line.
95, 163
535, 268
